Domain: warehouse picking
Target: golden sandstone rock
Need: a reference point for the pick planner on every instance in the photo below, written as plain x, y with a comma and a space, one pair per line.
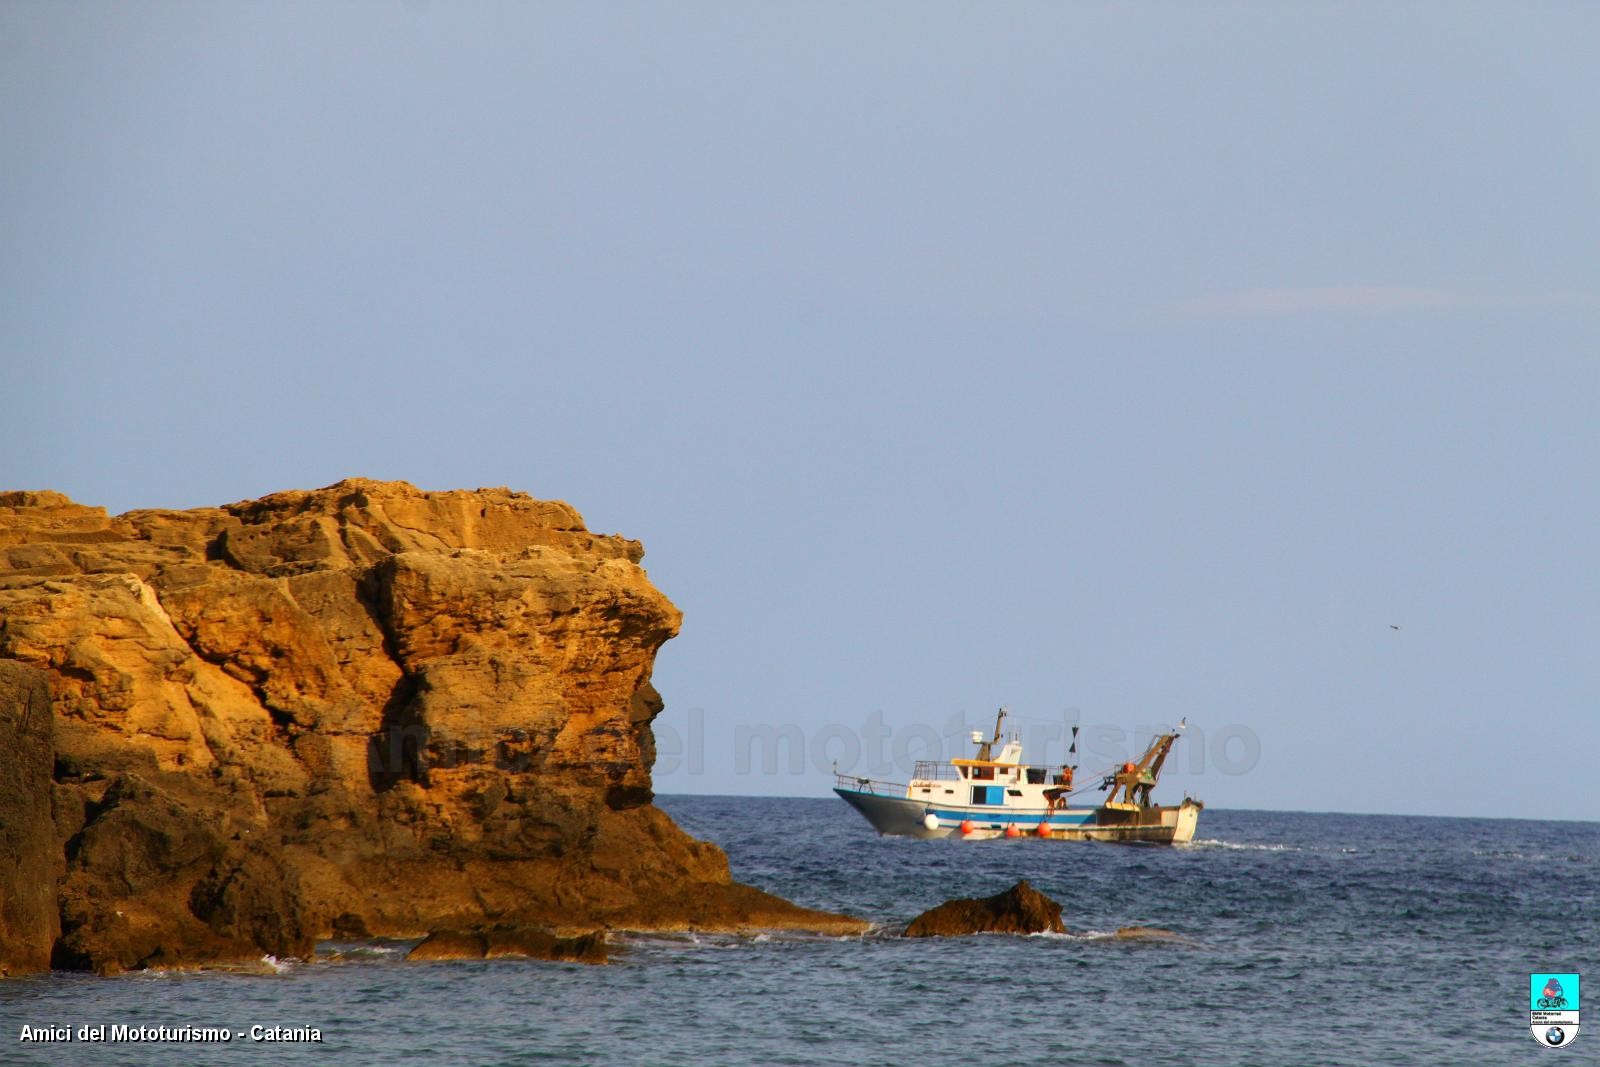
402, 710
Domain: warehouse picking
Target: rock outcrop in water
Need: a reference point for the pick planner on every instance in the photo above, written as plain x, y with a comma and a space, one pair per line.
1021, 909
365, 707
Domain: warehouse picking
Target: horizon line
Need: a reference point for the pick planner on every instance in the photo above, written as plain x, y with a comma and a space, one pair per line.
1266, 811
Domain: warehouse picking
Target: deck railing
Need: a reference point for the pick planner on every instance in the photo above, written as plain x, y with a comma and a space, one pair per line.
929, 770
869, 785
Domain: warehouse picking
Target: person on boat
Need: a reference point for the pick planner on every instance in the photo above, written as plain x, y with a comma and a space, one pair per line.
1065, 777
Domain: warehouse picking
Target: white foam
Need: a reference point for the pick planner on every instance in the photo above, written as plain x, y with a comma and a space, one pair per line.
1071, 935
1208, 842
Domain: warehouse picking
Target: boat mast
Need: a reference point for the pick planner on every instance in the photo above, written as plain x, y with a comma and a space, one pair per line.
985, 747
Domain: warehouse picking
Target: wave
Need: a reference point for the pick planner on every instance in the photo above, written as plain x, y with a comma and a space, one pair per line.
1074, 935
1209, 842
347, 951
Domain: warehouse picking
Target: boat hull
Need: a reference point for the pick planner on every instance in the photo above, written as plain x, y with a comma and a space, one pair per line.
905, 817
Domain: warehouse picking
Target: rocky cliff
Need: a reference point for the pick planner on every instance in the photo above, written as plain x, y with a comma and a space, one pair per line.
29, 856
364, 709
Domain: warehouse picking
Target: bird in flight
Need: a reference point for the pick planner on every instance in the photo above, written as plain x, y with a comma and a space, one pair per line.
1392, 626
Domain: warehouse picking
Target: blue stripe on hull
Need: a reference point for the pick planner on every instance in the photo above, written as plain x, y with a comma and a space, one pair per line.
904, 817
1020, 818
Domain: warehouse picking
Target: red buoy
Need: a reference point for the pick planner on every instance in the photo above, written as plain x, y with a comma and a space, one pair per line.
1012, 831
1044, 829
966, 827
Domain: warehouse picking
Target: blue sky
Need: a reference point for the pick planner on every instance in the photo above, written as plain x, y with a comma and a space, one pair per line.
1141, 360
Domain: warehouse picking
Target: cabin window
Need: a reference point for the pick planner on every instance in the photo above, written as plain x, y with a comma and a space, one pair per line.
1014, 792
1036, 776
986, 794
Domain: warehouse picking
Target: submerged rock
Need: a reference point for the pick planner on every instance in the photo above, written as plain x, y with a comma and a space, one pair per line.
364, 708
496, 942
1146, 933
1021, 909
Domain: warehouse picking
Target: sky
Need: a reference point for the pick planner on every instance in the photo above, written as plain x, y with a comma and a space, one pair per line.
1113, 363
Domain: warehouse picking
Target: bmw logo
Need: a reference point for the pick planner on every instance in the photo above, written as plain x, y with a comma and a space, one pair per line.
1554, 1036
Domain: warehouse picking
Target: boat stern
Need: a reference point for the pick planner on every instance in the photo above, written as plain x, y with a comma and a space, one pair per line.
1185, 820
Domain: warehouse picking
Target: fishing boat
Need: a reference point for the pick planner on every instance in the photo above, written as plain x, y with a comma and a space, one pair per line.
999, 795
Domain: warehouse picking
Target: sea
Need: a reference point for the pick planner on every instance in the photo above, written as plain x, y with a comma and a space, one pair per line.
1303, 939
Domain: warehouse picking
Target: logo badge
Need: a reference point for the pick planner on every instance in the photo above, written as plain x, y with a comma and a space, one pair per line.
1553, 1008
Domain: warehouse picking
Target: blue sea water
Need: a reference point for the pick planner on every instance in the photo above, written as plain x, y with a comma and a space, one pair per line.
1306, 939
